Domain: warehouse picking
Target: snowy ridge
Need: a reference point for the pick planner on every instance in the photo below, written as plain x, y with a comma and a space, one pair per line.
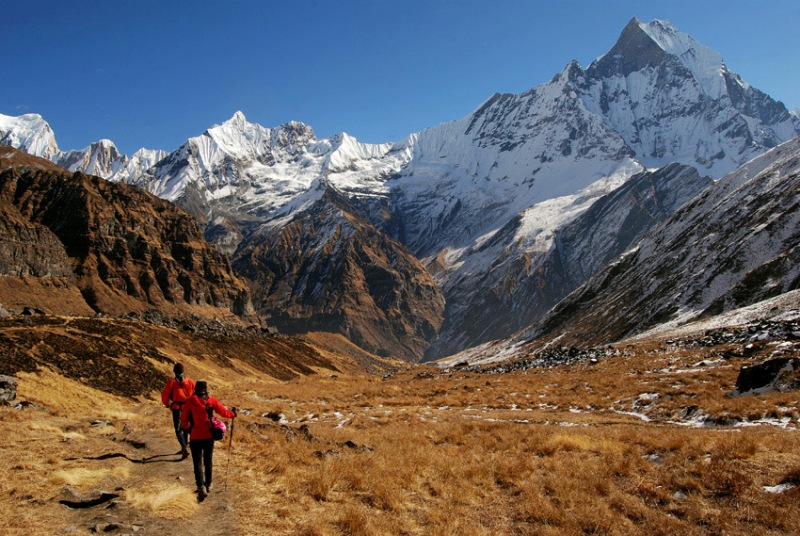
705, 64
138, 164
730, 247
29, 133
32, 134
267, 171
471, 176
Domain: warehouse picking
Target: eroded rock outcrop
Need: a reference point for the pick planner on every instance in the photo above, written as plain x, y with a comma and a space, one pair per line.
123, 248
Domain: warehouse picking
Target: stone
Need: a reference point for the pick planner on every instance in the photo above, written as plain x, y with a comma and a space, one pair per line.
771, 375
8, 388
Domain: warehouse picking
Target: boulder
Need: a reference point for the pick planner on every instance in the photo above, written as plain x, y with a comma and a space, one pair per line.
8, 388
772, 375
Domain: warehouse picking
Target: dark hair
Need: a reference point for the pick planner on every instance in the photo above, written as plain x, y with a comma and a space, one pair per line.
200, 388
177, 369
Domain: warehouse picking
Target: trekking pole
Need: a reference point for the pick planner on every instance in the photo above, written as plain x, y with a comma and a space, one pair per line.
230, 452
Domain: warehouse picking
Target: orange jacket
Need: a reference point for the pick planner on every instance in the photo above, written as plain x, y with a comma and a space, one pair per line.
196, 407
176, 393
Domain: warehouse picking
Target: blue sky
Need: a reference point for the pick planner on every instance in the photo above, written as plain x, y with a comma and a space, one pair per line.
153, 73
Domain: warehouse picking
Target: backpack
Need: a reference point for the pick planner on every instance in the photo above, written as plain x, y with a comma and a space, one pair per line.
216, 426
180, 386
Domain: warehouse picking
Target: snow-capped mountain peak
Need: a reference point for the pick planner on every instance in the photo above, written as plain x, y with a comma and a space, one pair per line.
101, 158
646, 45
239, 138
705, 64
673, 99
238, 119
29, 133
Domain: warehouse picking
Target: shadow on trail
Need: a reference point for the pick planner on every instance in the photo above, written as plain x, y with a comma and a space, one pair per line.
150, 459
103, 498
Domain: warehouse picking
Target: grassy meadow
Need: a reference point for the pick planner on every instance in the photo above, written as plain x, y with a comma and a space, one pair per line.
647, 442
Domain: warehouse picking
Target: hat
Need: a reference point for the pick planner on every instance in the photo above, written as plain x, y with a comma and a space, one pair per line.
177, 369
200, 388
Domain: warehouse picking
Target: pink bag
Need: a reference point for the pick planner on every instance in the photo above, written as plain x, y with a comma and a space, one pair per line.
218, 428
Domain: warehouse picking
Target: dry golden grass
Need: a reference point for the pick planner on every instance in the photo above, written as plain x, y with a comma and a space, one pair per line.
547, 452
68, 397
170, 501
50, 430
430, 452
85, 477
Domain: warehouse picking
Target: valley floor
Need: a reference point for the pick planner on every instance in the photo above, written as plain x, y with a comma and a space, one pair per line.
645, 442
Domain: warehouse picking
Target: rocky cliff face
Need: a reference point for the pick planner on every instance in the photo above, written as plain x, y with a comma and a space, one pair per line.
525, 281
328, 270
127, 250
35, 270
734, 245
28, 248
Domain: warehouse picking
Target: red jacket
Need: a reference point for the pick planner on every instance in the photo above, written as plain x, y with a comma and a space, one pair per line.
196, 407
176, 393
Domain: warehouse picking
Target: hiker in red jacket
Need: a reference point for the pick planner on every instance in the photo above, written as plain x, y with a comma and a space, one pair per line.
174, 396
195, 418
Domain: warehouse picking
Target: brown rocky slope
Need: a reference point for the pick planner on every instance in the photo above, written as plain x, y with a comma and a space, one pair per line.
119, 248
328, 270
132, 357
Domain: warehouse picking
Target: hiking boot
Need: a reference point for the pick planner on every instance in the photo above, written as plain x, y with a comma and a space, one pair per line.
201, 493
208, 488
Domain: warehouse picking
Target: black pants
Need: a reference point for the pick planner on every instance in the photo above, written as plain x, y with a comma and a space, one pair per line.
183, 437
202, 456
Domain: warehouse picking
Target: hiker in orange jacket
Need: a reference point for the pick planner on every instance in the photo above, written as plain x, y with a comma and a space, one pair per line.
174, 396
196, 418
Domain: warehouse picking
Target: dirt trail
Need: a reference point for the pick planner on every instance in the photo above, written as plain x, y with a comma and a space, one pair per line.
149, 444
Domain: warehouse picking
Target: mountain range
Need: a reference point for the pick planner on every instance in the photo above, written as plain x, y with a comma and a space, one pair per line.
729, 255
471, 230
